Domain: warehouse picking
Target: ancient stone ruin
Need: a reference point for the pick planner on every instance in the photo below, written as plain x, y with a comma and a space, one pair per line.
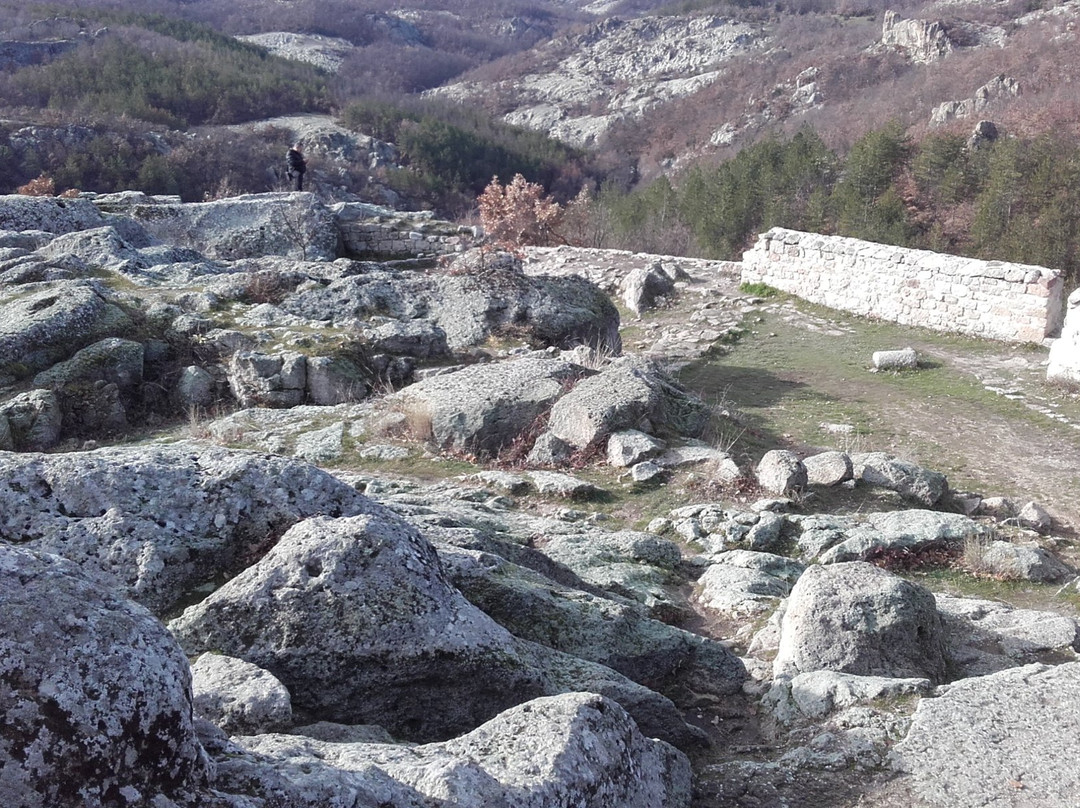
995, 299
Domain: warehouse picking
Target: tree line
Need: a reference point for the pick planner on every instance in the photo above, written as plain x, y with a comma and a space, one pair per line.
1011, 199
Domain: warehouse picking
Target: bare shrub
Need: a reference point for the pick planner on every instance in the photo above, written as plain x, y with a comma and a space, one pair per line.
39, 186
519, 214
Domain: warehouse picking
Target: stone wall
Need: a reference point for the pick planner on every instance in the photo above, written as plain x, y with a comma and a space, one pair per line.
995, 299
375, 233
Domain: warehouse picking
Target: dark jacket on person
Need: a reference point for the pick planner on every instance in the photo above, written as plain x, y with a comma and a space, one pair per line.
296, 162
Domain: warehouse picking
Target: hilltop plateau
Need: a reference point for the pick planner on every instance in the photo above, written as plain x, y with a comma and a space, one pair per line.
296, 511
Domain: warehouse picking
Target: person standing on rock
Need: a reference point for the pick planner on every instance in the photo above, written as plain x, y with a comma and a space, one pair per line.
297, 165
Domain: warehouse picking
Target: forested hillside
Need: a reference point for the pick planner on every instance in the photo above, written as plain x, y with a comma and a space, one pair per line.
707, 122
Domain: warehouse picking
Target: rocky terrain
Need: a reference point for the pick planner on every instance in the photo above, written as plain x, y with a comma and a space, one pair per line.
284, 527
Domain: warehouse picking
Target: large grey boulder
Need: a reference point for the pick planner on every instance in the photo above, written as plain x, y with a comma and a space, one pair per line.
1021, 562
816, 694
160, 522
781, 472
744, 583
857, 618
97, 386
912, 482
484, 408
643, 288
627, 394
296, 225
576, 749
547, 311
50, 322
628, 447
827, 468
34, 419
239, 697
469, 306
95, 695
355, 616
635, 565
999, 741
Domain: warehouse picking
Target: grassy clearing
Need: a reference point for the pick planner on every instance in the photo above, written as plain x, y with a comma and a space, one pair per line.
799, 368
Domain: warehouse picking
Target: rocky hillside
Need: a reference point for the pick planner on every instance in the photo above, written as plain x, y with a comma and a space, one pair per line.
282, 523
684, 87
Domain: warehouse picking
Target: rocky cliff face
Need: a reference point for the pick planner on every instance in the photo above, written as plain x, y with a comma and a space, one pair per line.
613, 70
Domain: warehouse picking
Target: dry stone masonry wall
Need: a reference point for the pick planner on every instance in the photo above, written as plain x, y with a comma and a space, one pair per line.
994, 299
371, 232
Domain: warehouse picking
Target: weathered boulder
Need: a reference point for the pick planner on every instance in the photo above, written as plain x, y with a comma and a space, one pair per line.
97, 386
574, 749
548, 311
857, 618
334, 380
1023, 562
742, 583
827, 468
484, 408
264, 380
160, 522
646, 471
907, 479
902, 531
355, 616
627, 563
195, 389
1035, 517
985, 636
296, 225
34, 420
95, 695
51, 322
629, 447
997, 741
642, 288
781, 472
237, 696
470, 307
566, 486
627, 394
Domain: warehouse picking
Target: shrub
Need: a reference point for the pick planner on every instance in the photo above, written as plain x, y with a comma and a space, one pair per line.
41, 186
519, 214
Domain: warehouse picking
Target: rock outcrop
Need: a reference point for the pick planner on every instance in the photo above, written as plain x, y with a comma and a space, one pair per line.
970, 747
356, 619
160, 522
95, 696
576, 749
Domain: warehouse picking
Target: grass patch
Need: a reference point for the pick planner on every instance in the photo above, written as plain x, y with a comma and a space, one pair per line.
800, 367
